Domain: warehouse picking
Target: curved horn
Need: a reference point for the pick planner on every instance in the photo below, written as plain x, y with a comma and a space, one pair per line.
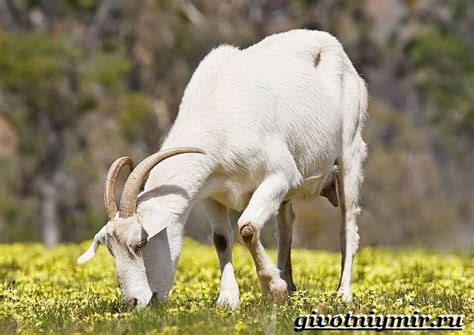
135, 181
111, 179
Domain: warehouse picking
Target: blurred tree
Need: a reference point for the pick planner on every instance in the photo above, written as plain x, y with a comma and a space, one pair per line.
444, 61
37, 73
48, 92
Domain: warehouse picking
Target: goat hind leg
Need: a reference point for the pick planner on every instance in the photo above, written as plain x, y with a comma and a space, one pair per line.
349, 179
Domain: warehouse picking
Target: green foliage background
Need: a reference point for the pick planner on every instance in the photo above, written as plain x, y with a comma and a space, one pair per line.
82, 82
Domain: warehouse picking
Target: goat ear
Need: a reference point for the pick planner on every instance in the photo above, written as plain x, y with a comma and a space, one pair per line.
90, 253
154, 222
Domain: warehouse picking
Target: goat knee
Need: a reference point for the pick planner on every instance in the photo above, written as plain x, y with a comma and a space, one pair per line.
220, 242
247, 233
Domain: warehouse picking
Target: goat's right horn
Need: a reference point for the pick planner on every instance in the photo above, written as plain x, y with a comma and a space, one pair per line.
128, 204
110, 181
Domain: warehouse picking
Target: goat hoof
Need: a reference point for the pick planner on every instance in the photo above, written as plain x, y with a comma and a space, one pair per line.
291, 288
228, 299
247, 232
346, 295
289, 282
278, 289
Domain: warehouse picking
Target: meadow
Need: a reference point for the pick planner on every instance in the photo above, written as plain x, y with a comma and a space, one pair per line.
43, 290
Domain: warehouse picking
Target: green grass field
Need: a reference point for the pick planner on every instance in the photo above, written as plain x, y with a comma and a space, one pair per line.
44, 290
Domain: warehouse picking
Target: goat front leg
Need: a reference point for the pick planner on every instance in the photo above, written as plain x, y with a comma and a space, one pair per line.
264, 204
223, 237
284, 231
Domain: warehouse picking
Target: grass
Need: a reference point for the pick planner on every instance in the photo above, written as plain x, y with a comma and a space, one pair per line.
44, 290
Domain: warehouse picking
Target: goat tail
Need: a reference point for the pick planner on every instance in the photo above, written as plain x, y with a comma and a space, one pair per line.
354, 106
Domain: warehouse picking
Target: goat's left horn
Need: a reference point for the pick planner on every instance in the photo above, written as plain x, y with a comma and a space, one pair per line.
110, 181
128, 204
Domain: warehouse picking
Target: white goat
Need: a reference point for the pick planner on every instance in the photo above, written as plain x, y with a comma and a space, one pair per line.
273, 119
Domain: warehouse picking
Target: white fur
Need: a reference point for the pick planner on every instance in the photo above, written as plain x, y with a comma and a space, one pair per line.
273, 119
90, 253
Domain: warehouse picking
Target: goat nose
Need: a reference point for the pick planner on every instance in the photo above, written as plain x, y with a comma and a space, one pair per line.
132, 303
